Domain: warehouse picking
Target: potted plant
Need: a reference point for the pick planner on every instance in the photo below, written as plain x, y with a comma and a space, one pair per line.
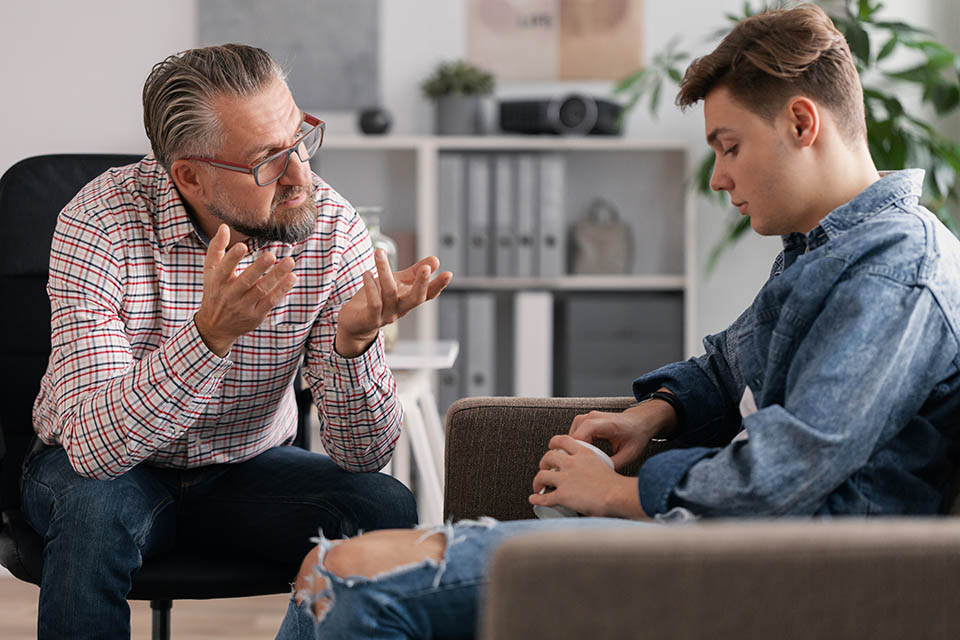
897, 139
459, 90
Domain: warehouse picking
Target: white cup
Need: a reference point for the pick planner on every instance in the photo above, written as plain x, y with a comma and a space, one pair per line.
560, 511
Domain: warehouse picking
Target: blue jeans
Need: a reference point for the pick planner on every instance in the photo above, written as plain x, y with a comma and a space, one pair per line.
96, 533
427, 599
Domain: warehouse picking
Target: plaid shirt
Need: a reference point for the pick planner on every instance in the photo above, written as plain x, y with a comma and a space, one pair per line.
130, 379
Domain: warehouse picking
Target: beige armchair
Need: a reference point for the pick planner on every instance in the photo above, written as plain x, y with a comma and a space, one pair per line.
850, 578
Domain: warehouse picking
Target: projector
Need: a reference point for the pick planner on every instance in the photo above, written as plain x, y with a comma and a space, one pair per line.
575, 115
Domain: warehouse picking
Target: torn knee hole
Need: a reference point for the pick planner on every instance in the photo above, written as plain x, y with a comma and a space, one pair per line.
380, 552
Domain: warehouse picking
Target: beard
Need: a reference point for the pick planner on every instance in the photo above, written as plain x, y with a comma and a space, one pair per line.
284, 225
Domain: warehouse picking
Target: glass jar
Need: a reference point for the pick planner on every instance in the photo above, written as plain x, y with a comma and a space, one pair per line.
371, 218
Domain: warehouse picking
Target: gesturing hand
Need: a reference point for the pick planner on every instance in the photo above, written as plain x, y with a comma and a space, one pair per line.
385, 298
234, 304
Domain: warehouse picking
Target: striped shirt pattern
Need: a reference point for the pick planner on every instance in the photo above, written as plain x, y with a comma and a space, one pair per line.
129, 377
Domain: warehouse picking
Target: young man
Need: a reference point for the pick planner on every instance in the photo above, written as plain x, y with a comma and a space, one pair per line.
833, 394
186, 291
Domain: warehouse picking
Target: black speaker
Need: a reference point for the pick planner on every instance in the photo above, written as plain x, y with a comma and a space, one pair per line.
571, 115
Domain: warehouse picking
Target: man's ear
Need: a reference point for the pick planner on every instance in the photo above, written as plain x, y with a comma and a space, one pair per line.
803, 115
185, 175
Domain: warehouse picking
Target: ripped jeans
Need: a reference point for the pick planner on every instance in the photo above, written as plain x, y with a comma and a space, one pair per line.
426, 599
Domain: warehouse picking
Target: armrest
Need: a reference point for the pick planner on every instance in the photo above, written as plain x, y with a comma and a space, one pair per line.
881, 579
494, 446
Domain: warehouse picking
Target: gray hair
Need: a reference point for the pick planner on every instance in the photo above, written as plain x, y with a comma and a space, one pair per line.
179, 93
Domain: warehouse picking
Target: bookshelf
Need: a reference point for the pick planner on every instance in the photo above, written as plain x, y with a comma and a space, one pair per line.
645, 179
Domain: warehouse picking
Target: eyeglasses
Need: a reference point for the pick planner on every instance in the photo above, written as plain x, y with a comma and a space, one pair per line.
269, 170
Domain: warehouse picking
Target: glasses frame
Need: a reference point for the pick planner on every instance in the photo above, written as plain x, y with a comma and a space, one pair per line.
254, 169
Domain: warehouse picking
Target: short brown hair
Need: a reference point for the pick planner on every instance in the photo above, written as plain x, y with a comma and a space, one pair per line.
771, 57
178, 96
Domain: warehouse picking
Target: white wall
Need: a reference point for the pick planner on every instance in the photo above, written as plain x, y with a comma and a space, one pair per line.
72, 73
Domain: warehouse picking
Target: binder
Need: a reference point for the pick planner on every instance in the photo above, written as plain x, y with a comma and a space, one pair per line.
526, 211
551, 237
450, 203
533, 344
478, 215
480, 338
504, 234
450, 327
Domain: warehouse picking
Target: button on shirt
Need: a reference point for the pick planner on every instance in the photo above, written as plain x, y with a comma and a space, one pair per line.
129, 377
851, 352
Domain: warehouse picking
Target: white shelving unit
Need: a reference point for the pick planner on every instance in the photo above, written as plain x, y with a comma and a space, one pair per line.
647, 179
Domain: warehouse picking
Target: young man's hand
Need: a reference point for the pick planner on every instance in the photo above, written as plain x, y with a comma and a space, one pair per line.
385, 298
232, 303
582, 481
628, 431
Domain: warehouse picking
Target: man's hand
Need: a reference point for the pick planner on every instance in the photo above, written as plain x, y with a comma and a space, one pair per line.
628, 432
383, 299
583, 482
234, 304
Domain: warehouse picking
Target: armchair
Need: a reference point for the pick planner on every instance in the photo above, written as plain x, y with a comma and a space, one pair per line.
852, 578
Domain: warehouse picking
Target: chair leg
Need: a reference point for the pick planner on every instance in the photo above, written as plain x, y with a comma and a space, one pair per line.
161, 619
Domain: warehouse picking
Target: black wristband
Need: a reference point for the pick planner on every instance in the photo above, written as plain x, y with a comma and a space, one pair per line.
670, 399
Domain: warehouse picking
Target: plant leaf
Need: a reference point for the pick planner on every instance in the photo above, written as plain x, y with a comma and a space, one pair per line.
888, 47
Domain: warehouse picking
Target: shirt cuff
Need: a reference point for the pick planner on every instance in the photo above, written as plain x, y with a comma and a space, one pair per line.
190, 361
660, 474
681, 378
359, 372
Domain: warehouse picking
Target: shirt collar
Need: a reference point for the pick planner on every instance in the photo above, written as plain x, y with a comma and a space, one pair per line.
891, 187
174, 223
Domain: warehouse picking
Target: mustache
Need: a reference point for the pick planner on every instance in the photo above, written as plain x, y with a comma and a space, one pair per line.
287, 192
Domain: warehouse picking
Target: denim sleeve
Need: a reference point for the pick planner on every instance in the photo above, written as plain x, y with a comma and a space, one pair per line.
860, 371
707, 387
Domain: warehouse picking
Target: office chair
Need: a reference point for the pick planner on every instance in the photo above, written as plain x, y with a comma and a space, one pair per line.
32, 193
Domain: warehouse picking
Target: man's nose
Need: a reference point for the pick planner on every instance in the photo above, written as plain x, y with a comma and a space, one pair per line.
298, 171
719, 180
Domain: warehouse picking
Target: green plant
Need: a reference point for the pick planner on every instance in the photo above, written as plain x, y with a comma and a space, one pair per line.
897, 139
457, 78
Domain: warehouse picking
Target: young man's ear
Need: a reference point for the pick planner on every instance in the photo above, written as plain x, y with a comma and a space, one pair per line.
804, 117
185, 175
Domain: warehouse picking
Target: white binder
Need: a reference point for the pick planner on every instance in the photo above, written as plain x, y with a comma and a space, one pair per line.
451, 201
478, 215
551, 229
527, 188
480, 339
504, 233
450, 327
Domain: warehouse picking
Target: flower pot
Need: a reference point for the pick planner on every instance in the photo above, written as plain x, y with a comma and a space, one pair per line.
460, 115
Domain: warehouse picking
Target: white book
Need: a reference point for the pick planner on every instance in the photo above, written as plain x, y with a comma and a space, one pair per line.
533, 344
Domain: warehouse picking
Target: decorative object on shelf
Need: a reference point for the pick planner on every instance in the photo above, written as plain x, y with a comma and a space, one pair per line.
462, 93
897, 138
371, 218
601, 243
524, 40
573, 114
374, 120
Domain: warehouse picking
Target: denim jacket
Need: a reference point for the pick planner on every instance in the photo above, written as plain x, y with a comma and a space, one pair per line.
851, 353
